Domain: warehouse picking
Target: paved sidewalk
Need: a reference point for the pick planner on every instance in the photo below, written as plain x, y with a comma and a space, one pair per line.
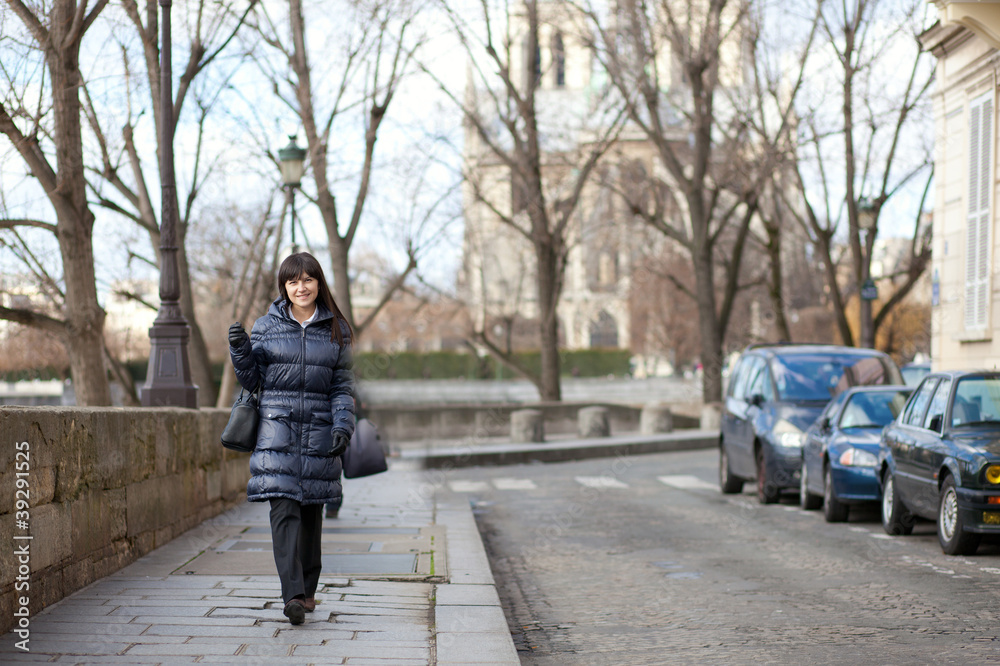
406, 581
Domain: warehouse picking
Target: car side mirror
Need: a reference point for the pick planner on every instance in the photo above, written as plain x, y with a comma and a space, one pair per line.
824, 424
756, 400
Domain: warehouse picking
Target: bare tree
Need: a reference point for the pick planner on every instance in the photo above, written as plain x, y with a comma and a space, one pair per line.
46, 131
237, 255
120, 180
854, 162
531, 149
681, 71
363, 73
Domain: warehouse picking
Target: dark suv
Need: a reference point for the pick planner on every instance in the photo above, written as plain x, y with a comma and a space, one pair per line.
775, 393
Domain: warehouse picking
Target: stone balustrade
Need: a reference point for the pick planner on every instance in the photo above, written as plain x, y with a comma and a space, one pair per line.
105, 487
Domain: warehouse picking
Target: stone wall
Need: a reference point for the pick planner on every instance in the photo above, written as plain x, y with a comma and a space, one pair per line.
106, 486
414, 423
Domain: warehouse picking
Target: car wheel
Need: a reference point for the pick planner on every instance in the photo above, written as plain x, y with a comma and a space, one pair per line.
950, 528
834, 510
729, 483
896, 520
807, 500
767, 492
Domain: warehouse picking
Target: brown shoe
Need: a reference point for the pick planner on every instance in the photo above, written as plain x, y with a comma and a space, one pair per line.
310, 604
295, 611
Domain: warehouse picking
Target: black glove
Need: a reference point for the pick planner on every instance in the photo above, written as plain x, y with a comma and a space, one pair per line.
237, 336
340, 442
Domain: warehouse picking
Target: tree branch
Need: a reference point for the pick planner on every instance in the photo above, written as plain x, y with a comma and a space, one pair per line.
10, 223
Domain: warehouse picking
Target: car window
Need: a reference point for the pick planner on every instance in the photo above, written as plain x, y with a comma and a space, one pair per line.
759, 381
832, 407
872, 409
738, 383
738, 371
912, 374
977, 400
938, 404
914, 413
821, 376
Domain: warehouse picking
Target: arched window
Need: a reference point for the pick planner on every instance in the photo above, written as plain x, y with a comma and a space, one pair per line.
604, 331
559, 59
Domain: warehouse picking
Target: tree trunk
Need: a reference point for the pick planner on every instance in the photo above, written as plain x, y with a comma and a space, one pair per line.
341, 282
75, 221
775, 287
201, 364
84, 316
548, 322
708, 324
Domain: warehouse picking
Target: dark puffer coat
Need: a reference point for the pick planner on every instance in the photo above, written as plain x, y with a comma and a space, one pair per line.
306, 395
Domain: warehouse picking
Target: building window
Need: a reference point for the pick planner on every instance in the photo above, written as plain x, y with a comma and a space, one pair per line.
607, 269
559, 60
604, 331
977, 226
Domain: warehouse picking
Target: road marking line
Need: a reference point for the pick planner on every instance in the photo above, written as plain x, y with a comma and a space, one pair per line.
686, 482
990, 570
469, 486
514, 484
863, 530
881, 536
600, 482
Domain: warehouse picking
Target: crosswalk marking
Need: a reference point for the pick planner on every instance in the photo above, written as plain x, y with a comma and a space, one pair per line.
514, 484
600, 482
469, 486
686, 482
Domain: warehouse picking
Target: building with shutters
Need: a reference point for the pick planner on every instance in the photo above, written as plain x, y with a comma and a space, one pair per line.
965, 327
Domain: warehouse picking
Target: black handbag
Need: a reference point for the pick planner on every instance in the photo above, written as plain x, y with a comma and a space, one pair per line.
240, 433
364, 456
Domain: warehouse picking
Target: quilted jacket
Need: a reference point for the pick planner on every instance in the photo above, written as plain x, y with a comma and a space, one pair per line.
306, 395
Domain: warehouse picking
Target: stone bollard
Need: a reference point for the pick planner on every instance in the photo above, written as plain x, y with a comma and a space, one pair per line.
711, 416
656, 418
527, 425
593, 422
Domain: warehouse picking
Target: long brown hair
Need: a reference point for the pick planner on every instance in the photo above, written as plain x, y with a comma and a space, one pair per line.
303, 263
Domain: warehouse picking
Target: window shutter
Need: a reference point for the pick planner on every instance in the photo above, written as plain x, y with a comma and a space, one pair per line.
977, 274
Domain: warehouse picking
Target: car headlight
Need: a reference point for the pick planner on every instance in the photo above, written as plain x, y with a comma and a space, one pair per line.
858, 458
993, 474
787, 435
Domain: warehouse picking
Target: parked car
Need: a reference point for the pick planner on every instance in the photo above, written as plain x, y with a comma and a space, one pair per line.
840, 454
940, 460
914, 372
775, 393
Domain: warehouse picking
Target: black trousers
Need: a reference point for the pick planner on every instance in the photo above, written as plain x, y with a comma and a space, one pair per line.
296, 530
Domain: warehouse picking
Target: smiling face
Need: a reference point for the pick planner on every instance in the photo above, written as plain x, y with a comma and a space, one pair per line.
302, 292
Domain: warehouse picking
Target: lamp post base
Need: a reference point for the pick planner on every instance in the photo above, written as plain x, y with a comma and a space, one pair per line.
168, 378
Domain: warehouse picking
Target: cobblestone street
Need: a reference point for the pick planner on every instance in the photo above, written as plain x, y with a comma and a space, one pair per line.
642, 560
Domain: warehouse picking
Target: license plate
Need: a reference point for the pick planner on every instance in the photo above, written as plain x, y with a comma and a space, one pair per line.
991, 517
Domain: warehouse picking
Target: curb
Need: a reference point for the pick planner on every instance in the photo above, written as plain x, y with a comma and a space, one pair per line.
471, 454
469, 622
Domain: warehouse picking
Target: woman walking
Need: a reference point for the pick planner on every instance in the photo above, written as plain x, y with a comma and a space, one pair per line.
300, 355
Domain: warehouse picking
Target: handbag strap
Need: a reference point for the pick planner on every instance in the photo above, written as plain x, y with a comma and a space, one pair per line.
255, 393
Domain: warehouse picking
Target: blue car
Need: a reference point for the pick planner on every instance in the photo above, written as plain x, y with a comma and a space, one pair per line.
840, 454
775, 393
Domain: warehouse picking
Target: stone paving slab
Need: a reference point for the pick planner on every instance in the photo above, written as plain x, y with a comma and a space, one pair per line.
152, 611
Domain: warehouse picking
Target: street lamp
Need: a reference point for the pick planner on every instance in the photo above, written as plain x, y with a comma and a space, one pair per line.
292, 161
168, 377
867, 217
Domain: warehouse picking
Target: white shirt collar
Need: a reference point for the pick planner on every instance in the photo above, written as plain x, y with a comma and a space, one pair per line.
311, 318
